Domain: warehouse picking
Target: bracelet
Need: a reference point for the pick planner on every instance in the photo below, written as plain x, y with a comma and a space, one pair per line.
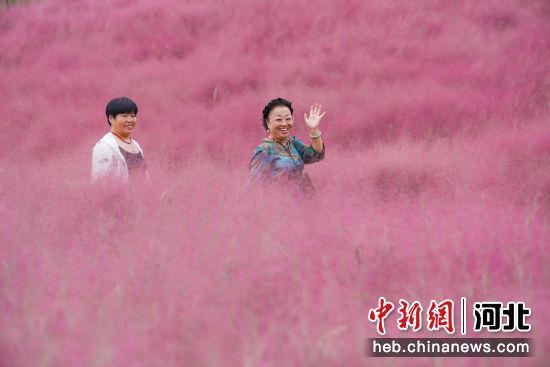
315, 136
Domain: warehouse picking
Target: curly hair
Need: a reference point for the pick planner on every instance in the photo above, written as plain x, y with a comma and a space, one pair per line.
271, 105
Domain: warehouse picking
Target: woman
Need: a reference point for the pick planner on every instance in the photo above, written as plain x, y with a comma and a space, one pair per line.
117, 156
281, 156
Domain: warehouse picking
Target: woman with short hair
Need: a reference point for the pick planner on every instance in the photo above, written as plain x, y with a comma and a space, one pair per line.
116, 156
281, 156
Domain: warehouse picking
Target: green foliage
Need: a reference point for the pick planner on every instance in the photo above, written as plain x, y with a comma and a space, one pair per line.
8, 3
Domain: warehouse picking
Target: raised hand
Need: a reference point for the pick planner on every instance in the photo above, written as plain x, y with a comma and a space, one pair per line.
315, 115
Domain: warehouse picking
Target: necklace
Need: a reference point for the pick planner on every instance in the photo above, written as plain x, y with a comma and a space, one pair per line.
285, 144
118, 136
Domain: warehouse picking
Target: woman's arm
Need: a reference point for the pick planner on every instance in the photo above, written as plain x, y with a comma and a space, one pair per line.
102, 162
259, 168
308, 153
312, 121
316, 141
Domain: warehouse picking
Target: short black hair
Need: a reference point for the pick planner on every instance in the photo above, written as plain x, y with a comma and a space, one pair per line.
271, 105
120, 105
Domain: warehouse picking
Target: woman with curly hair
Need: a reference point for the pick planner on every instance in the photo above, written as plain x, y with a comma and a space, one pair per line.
280, 156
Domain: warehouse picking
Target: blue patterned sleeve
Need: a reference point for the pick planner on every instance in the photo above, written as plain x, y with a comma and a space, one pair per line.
259, 168
308, 154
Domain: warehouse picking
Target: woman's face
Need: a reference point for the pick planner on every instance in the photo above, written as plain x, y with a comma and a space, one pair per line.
123, 123
280, 122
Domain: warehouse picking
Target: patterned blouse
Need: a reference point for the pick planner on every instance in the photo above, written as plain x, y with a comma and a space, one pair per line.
272, 161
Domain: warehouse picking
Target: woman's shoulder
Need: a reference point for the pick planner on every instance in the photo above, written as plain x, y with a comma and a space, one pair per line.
298, 144
265, 147
105, 141
102, 145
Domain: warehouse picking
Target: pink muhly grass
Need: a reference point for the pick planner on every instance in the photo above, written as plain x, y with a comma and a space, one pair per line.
436, 182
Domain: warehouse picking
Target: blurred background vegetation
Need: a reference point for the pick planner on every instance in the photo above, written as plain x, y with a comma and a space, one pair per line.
8, 3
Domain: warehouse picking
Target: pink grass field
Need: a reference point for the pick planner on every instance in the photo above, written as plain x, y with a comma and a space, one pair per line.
436, 182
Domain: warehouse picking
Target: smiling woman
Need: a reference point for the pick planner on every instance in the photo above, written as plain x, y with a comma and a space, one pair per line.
117, 156
281, 157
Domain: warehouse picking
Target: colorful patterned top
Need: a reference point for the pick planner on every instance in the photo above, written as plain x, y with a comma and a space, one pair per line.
272, 161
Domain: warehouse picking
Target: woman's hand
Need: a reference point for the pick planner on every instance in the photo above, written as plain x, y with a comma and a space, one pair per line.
315, 115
